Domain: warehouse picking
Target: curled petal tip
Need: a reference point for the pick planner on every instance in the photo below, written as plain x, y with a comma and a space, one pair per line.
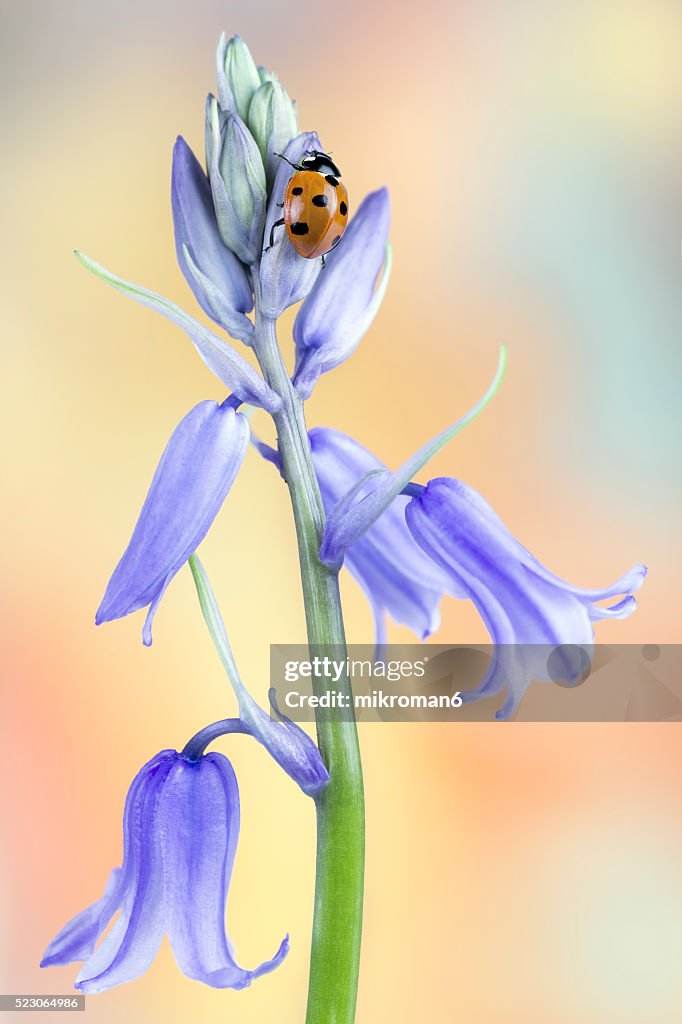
621, 610
277, 959
639, 573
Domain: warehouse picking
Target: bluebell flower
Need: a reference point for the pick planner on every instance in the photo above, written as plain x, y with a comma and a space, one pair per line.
192, 480
344, 299
395, 574
528, 611
215, 275
180, 832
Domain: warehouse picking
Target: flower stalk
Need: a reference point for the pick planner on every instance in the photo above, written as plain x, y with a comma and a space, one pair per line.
337, 922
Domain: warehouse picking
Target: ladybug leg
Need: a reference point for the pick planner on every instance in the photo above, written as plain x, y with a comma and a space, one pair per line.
324, 263
277, 224
280, 205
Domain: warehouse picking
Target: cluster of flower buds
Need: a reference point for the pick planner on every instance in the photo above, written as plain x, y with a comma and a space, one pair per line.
221, 217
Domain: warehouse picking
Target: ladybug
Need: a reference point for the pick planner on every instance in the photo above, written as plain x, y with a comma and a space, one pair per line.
315, 206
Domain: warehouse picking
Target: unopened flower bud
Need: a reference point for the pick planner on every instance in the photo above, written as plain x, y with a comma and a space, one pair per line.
238, 76
237, 180
272, 121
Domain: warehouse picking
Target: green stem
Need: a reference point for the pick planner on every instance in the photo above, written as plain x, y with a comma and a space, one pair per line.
337, 923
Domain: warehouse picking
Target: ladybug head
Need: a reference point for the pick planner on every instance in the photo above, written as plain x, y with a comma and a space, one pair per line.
314, 160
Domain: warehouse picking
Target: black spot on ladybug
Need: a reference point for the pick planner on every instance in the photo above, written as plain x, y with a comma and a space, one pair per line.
320, 200
331, 179
298, 191
343, 209
336, 241
299, 228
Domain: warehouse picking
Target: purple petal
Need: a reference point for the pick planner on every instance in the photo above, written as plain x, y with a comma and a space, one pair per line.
285, 277
198, 826
213, 272
620, 610
344, 300
77, 939
627, 584
131, 945
192, 480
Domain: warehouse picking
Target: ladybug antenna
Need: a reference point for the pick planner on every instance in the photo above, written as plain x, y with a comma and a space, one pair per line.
283, 157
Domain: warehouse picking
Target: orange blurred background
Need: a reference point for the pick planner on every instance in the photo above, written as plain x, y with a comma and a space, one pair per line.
519, 873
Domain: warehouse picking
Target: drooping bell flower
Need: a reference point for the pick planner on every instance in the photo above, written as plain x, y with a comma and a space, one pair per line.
191, 482
345, 298
180, 832
395, 574
528, 611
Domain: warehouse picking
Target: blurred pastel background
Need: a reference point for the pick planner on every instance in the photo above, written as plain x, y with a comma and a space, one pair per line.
520, 873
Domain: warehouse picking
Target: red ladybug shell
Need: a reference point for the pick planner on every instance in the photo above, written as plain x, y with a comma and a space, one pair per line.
315, 212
